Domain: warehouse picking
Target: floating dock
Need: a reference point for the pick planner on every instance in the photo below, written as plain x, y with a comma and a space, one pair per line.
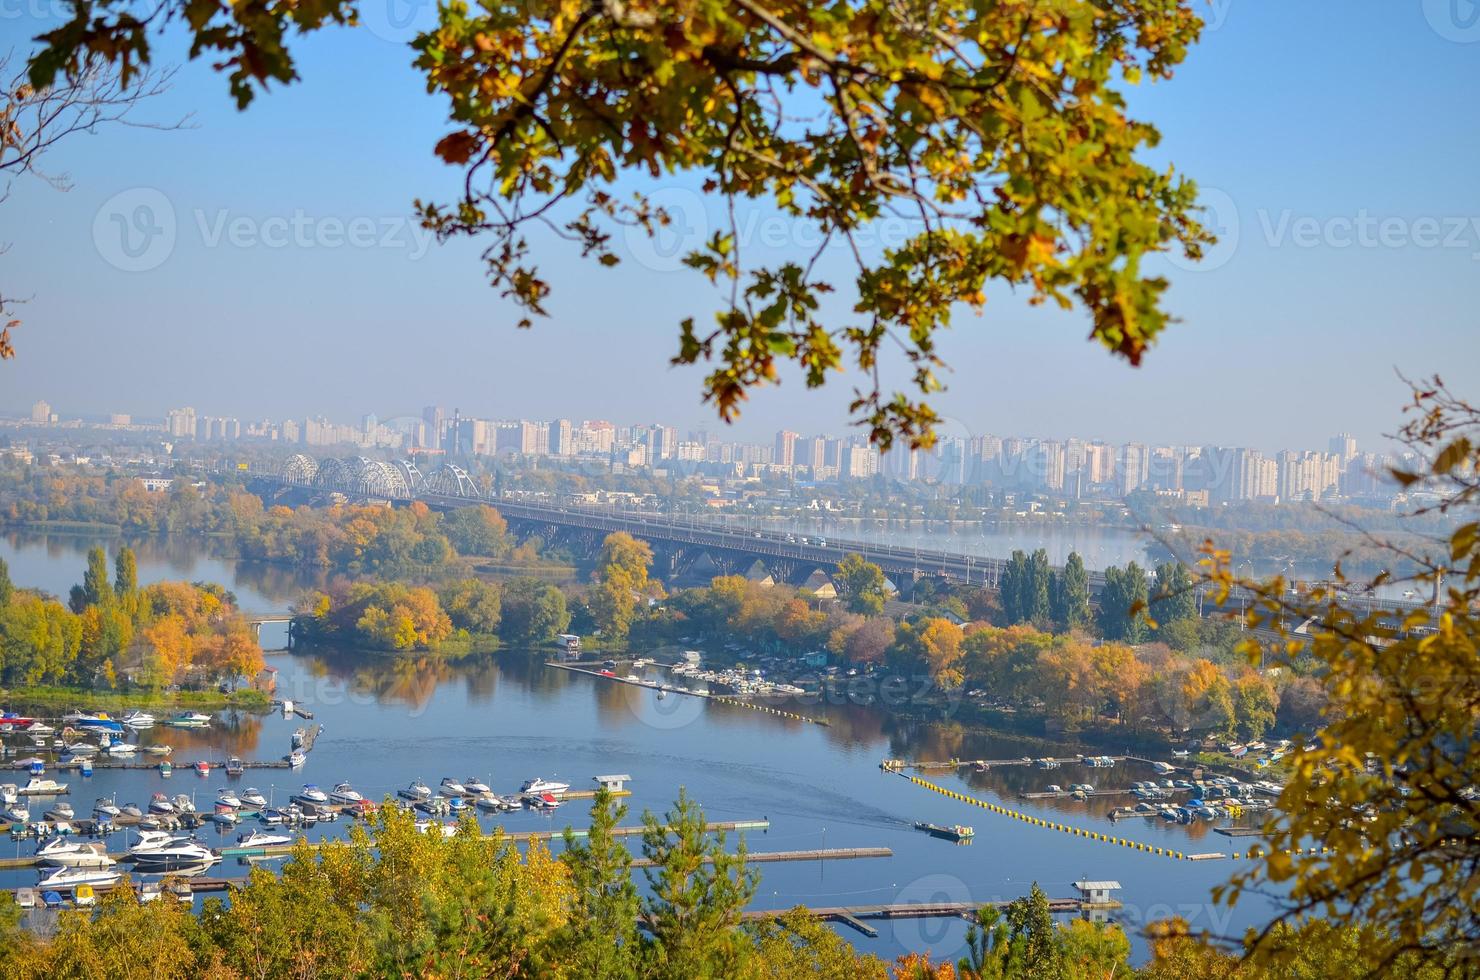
855, 916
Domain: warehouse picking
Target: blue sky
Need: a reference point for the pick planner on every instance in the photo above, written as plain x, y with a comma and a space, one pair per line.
1338, 144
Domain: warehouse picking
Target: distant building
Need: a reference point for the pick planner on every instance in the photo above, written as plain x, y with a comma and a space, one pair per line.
180, 423
786, 449
41, 413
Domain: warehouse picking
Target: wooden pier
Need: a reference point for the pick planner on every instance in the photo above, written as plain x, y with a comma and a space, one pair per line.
899, 765
855, 916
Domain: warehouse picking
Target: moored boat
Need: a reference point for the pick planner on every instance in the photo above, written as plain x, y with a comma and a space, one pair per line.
451, 787
346, 794
43, 787
311, 794
69, 878
475, 785
259, 839
416, 791
235, 766
542, 786
139, 719
252, 797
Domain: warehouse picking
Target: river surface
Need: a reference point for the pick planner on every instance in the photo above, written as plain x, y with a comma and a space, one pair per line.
508, 717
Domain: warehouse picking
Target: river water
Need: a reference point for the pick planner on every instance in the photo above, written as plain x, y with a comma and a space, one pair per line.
508, 717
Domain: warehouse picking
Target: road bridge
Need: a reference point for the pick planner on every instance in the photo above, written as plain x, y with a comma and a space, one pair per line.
788, 555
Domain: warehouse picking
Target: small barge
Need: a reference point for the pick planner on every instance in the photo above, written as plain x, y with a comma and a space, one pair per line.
955, 833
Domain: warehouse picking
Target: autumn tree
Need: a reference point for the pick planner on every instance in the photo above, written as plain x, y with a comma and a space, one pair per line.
1175, 597
1386, 785
932, 645
478, 530
861, 585
473, 605
621, 583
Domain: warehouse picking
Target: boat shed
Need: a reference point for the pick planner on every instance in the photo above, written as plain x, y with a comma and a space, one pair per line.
617, 783
1097, 892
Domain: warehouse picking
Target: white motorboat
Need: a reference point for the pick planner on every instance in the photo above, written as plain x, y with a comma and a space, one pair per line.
183, 804
180, 854
225, 797
489, 801
159, 749
9, 793
259, 839
541, 787
61, 811
311, 794
159, 803
150, 840
475, 785
296, 758
346, 794
190, 719
15, 813
139, 719
426, 826
542, 801
43, 787
415, 792
67, 878
39, 728
122, 748
67, 854
451, 787
106, 807
252, 797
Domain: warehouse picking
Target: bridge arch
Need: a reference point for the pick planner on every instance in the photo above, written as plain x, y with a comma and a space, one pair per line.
299, 469
451, 480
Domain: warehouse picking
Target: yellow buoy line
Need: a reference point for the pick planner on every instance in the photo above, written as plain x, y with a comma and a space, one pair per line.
1253, 853
767, 709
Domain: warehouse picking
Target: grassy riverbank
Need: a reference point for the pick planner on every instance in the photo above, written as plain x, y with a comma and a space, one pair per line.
59, 699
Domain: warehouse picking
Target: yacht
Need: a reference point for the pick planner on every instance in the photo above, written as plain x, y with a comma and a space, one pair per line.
60, 810
299, 735
541, 801
252, 797
9, 793
475, 785
175, 856
235, 766
259, 839
64, 878
39, 728
540, 787
122, 748
203, 768
183, 804
451, 787
296, 758
130, 810
99, 722
63, 853
153, 840
223, 816
159, 749
271, 817
415, 792
139, 719
16, 813
491, 802
311, 794
346, 794
43, 787
190, 719
225, 797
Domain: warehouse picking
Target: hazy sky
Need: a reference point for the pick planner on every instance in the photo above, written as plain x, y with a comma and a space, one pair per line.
1338, 143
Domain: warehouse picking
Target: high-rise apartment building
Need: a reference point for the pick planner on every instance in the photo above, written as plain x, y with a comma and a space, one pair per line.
41, 413
180, 422
786, 449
